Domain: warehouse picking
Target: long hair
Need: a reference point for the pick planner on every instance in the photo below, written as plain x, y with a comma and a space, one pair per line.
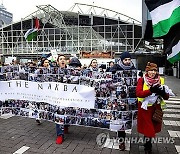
91, 62
42, 62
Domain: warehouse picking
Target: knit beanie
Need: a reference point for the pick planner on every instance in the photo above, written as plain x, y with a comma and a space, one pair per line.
124, 55
74, 62
151, 66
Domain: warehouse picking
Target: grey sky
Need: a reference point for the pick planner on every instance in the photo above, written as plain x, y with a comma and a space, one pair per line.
22, 8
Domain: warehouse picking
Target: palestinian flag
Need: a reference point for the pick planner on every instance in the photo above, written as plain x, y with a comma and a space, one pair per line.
175, 54
172, 44
164, 14
32, 33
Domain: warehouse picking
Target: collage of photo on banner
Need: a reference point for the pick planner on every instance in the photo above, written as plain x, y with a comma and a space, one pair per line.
112, 104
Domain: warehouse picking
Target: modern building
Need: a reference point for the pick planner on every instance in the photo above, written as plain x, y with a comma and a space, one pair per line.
5, 16
95, 30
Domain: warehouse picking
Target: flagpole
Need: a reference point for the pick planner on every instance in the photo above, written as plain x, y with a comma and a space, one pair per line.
32, 39
12, 48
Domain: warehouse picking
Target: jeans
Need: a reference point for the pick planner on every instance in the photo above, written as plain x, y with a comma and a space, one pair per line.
59, 130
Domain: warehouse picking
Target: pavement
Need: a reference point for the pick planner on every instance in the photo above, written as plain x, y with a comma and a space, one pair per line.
19, 135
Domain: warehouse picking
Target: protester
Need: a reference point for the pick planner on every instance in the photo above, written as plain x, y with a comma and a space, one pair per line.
53, 63
75, 63
60, 131
93, 66
45, 63
124, 63
44, 69
111, 64
149, 90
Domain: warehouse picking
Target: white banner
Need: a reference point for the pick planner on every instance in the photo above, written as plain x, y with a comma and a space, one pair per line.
55, 93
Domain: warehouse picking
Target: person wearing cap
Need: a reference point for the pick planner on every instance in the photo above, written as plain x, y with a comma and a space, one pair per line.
75, 63
124, 63
149, 90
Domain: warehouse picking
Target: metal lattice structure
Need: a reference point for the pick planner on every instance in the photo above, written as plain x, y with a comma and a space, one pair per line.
72, 31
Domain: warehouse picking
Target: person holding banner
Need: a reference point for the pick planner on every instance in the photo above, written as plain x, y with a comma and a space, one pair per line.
151, 95
60, 131
43, 69
93, 66
75, 63
124, 63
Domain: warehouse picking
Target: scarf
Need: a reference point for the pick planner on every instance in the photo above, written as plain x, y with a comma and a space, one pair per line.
152, 81
124, 66
93, 69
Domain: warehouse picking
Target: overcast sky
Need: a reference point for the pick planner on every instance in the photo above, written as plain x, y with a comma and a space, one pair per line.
22, 8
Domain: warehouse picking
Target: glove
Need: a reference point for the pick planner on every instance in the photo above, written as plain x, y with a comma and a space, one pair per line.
155, 89
158, 90
161, 91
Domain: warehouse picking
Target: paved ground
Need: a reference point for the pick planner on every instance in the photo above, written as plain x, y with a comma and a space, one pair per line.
24, 134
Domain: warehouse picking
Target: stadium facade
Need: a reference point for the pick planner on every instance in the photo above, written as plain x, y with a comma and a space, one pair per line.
72, 32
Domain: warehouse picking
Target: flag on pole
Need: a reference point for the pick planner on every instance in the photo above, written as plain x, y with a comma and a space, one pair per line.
32, 33
172, 44
174, 56
164, 14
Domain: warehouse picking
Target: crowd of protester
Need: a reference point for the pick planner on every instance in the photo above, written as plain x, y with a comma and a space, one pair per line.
115, 88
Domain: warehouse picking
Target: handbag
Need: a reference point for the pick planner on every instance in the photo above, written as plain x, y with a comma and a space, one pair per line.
157, 115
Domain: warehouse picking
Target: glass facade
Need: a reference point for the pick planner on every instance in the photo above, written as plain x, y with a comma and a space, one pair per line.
70, 33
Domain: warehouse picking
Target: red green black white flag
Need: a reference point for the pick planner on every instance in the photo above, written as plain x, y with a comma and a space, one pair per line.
165, 16
32, 33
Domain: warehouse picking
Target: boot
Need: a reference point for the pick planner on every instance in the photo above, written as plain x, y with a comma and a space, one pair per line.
122, 146
59, 139
148, 147
122, 135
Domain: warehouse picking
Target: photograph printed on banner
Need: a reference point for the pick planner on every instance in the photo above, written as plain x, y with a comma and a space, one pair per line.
135, 73
46, 115
24, 112
54, 70
132, 92
127, 73
122, 104
133, 103
126, 115
23, 76
100, 103
2, 77
128, 124
128, 81
113, 93
134, 117
59, 119
121, 92
134, 82
97, 122
6, 110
